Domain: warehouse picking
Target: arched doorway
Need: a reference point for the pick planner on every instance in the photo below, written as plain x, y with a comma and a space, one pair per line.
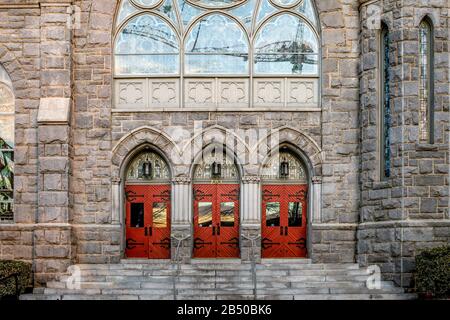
284, 207
216, 206
147, 198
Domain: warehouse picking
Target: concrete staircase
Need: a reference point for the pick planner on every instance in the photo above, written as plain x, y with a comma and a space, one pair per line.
217, 280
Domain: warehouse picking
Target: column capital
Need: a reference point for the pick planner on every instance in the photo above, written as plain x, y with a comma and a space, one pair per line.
251, 179
181, 180
316, 180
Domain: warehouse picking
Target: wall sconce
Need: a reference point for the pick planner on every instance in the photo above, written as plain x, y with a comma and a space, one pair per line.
284, 169
216, 169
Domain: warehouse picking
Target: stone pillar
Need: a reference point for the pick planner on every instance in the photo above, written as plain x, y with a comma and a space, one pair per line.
316, 200
116, 202
182, 218
250, 218
53, 251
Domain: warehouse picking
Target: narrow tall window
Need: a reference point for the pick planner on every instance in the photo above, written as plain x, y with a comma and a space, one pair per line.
385, 104
426, 87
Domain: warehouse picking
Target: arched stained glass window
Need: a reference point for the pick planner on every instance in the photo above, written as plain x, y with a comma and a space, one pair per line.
385, 104
198, 45
216, 45
426, 81
6, 147
286, 44
147, 45
146, 167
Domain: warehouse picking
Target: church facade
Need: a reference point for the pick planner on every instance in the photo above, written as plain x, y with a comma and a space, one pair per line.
232, 129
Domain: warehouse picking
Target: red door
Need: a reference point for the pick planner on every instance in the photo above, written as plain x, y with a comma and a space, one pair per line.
284, 221
216, 221
148, 221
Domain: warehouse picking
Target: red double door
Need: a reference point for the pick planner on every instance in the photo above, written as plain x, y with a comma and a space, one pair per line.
148, 221
216, 221
284, 222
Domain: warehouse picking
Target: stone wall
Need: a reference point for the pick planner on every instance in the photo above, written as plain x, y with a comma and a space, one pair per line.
408, 211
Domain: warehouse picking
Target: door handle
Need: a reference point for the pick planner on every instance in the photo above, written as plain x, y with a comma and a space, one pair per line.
286, 231
145, 231
214, 231
281, 231
151, 231
218, 230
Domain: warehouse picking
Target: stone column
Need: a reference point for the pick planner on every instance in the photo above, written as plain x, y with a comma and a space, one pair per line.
53, 235
182, 218
250, 218
316, 200
117, 207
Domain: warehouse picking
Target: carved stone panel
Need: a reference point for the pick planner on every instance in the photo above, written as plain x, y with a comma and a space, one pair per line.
269, 92
164, 93
200, 93
302, 92
131, 94
233, 92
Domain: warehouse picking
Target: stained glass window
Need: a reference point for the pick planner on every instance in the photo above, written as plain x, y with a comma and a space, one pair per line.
425, 82
159, 170
150, 34
385, 104
6, 147
228, 169
296, 169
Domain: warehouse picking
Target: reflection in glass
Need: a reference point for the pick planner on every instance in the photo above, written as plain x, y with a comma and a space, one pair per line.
245, 12
216, 3
286, 45
216, 45
137, 215
295, 214
227, 214
307, 8
205, 214
126, 10
265, 10
147, 45
188, 12
168, 9
146, 3
272, 214
286, 64
159, 215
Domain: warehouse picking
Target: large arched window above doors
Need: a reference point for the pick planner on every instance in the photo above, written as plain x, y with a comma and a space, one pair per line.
426, 81
6, 147
148, 167
202, 54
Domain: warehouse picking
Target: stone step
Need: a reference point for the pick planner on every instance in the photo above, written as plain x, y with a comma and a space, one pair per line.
382, 296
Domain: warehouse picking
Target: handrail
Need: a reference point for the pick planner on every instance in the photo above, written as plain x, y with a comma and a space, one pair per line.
253, 262
177, 261
16, 280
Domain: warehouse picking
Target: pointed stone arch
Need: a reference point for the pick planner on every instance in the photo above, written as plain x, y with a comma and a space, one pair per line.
313, 155
127, 147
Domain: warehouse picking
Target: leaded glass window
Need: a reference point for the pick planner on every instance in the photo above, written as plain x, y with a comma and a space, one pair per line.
296, 169
198, 45
217, 156
6, 148
385, 114
426, 81
158, 170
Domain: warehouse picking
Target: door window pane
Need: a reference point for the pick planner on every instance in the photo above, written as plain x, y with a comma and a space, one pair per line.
205, 214
227, 214
273, 214
137, 215
295, 214
159, 215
